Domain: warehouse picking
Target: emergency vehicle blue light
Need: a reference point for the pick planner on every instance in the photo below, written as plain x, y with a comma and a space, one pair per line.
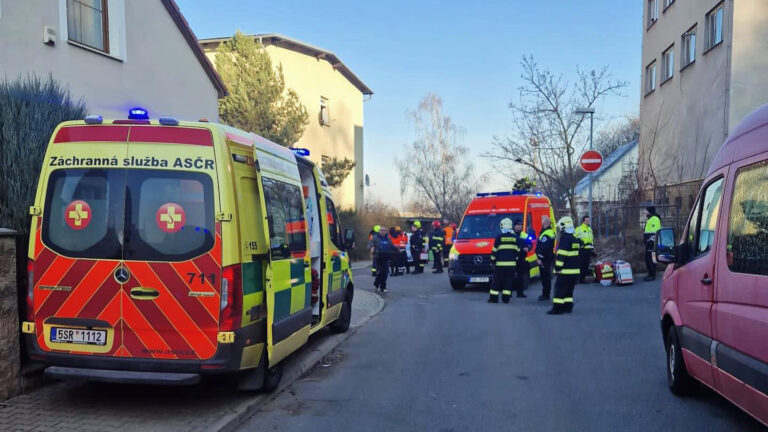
93, 119
491, 194
168, 121
301, 151
138, 114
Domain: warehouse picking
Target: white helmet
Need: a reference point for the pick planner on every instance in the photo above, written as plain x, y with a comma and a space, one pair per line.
565, 222
506, 223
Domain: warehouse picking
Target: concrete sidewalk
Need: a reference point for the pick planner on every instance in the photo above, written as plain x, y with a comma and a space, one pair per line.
214, 405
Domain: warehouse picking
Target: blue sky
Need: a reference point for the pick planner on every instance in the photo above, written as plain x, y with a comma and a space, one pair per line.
466, 52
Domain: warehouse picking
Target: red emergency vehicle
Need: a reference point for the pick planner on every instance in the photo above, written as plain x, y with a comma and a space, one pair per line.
470, 256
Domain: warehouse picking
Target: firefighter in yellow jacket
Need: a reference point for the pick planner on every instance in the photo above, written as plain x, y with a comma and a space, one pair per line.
566, 267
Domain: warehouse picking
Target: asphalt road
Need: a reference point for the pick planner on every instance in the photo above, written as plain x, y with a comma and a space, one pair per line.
441, 360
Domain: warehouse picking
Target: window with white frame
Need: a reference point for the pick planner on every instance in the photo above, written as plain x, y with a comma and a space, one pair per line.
87, 23
653, 11
688, 47
715, 26
650, 77
668, 63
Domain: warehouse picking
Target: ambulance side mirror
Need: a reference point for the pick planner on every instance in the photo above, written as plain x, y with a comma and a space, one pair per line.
349, 238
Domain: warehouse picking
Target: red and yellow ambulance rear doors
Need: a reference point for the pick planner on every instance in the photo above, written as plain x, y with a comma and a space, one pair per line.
127, 258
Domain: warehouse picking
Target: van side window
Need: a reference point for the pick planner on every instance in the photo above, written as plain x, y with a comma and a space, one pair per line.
689, 244
285, 218
748, 223
710, 207
333, 224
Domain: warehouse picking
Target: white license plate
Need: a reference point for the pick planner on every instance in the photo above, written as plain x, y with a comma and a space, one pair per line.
479, 279
78, 336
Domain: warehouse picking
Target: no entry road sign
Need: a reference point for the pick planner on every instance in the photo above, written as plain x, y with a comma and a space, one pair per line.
591, 160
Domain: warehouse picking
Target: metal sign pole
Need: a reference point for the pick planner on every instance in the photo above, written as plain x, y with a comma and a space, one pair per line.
591, 116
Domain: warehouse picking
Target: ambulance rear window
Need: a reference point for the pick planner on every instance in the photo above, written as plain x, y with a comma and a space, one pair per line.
83, 215
170, 215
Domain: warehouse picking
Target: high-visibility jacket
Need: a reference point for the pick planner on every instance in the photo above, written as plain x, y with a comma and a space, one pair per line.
526, 241
567, 256
506, 250
448, 236
436, 240
652, 225
585, 236
606, 271
400, 241
545, 246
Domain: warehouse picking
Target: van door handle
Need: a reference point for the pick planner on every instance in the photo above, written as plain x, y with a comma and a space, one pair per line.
143, 293
706, 280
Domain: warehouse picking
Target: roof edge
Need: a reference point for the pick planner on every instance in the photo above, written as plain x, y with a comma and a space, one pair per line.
189, 36
303, 48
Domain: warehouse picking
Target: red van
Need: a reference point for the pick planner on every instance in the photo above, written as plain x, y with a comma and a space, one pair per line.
714, 295
470, 256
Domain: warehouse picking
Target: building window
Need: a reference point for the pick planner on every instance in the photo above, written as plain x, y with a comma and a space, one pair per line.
688, 48
653, 11
87, 23
325, 114
668, 3
715, 26
650, 77
667, 64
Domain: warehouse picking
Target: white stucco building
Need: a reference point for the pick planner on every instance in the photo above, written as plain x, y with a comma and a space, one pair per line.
115, 54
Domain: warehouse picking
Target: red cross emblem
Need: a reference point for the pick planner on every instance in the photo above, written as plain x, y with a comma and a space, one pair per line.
78, 214
170, 217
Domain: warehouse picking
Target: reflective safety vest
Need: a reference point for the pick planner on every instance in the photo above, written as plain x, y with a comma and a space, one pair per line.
400, 241
506, 250
545, 245
652, 225
448, 235
567, 256
585, 236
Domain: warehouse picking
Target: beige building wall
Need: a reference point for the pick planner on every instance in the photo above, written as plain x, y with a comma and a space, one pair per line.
315, 79
684, 120
749, 64
152, 65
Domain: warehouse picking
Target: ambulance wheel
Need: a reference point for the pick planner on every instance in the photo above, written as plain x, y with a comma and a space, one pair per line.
272, 377
341, 325
680, 383
457, 285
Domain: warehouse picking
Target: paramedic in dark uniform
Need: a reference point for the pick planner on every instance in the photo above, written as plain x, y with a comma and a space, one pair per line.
545, 257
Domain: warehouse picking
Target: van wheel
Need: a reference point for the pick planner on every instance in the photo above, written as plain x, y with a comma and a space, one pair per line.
272, 377
680, 383
341, 325
458, 285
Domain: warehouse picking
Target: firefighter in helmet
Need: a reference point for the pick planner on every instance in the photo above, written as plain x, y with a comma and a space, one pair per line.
436, 244
504, 257
567, 267
417, 246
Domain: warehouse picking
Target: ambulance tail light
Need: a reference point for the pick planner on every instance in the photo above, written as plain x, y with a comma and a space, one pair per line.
231, 298
30, 290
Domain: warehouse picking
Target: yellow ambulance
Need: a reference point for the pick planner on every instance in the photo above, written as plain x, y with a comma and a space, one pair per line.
163, 250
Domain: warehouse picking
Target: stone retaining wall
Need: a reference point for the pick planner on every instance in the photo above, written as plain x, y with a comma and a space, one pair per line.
10, 361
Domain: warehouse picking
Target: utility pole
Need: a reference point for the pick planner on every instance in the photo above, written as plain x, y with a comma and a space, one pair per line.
591, 112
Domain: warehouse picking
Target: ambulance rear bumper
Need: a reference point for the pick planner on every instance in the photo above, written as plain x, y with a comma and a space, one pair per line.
121, 376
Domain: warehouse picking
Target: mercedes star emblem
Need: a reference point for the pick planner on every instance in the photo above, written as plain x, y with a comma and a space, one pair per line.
478, 259
122, 275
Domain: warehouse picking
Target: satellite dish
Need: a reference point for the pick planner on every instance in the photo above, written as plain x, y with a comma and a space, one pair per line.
367, 180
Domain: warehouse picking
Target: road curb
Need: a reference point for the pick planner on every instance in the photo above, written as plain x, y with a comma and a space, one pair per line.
294, 369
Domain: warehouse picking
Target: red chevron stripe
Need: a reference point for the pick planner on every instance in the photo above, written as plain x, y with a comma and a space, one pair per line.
82, 287
138, 324
100, 299
203, 344
180, 290
211, 304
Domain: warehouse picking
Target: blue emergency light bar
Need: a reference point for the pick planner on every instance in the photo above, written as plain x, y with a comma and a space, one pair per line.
93, 119
138, 114
495, 194
301, 151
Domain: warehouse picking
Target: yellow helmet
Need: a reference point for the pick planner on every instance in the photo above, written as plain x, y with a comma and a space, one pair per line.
506, 223
417, 224
376, 228
565, 222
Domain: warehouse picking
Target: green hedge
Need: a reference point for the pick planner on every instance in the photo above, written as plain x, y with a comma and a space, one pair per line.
30, 109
